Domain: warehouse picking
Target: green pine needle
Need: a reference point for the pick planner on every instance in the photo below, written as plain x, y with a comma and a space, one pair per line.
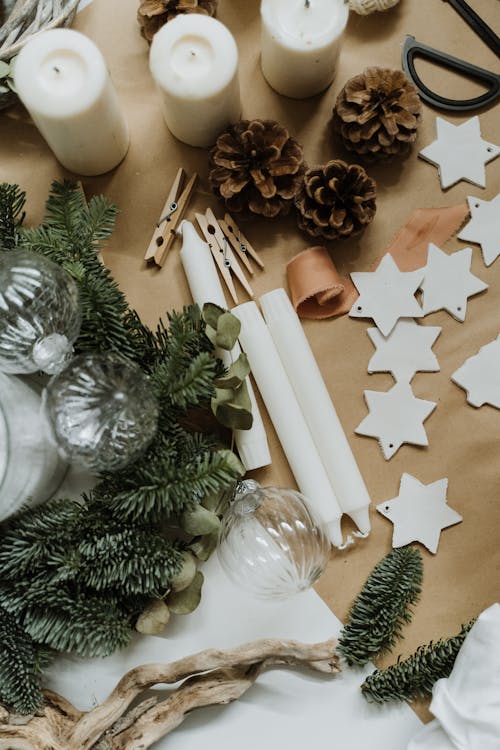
415, 677
12, 201
382, 608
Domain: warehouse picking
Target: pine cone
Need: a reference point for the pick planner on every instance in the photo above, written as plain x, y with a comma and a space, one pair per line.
257, 165
337, 200
377, 113
153, 14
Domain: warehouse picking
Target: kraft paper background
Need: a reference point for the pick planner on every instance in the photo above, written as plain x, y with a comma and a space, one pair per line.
464, 443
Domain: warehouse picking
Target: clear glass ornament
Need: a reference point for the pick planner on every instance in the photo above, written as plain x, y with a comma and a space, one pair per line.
102, 411
270, 542
39, 314
30, 466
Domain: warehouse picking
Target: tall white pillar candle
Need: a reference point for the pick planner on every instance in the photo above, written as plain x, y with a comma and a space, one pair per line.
62, 80
194, 61
317, 407
205, 286
287, 417
300, 44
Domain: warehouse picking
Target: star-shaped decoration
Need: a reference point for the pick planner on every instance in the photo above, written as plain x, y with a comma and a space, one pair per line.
484, 227
480, 376
419, 513
448, 282
407, 350
460, 153
387, 294
395, 417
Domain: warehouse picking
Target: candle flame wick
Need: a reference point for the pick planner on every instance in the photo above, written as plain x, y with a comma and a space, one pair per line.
56, 69
193, 53
307, 3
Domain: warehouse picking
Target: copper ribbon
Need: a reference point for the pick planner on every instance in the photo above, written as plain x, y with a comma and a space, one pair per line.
318, 291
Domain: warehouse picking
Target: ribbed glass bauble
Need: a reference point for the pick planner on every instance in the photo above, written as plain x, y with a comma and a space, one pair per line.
102, 410
39, 314
270, 542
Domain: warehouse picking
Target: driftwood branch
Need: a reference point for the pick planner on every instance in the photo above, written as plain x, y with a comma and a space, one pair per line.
211, 677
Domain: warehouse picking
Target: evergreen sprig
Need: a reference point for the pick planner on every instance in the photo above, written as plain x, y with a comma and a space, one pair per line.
415, 677
377, 616
22, 661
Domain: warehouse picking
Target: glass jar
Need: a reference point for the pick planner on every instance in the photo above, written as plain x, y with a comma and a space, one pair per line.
30, 467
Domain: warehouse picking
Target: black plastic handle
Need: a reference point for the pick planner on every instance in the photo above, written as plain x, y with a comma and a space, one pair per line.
413, 49
477, 24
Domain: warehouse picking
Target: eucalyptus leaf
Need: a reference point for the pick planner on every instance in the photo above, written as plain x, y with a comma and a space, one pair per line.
234, 417
4, 69
236, 374
186, 601
154, 619
211, 334
186, 574
228, 330
4, 89
204, 546
212, 313
199, 521
233, 461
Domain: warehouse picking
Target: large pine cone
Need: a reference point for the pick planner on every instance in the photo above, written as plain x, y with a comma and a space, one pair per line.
153, 14
337, 200
257, 165
377, 113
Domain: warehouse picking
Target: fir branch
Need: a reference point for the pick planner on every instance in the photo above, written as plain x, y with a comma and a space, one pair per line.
21, 664
415, 677
12, 201
377, 617
193, 384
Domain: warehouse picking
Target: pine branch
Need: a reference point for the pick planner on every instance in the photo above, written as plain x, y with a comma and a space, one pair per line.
21, 664
382, 608
415, 677
12, 201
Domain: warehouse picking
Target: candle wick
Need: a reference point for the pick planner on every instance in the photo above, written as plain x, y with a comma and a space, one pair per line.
193, 53
307, 3
56, 69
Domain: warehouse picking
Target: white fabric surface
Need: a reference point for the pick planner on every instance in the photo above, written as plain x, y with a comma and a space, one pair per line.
286, 708
467, 704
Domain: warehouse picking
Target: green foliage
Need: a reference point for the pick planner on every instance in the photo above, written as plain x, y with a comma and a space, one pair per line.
12, 201
382, 608
21, 664
415, 677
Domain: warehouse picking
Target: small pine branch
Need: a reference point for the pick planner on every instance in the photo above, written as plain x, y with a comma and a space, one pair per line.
21, 664
415, 677
12, 201
192, 385
377, 617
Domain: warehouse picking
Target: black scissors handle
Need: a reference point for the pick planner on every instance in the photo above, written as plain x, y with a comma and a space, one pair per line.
413, 49
477, 24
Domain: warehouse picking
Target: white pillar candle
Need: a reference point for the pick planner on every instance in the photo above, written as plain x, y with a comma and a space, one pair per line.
205, 286
62, 80
194, 61
287, 418
317, 407
301, 43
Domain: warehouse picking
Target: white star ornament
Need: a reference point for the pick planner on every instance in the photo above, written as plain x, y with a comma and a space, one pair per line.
419, 513
460, 153
396, 417
484, 227
448, 282
387, 294
480, 376
407, 350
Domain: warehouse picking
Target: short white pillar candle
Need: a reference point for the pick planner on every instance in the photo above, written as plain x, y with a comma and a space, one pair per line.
301, 43
194, 61
62, 80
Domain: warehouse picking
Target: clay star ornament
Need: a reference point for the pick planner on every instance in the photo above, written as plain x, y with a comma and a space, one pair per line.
460, 153
448, 282
407, 350
484, 227
480, 376
387, 294
396, 417
419, 513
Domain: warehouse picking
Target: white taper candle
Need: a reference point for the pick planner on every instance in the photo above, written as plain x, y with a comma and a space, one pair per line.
317, 407
205, 286
287, 417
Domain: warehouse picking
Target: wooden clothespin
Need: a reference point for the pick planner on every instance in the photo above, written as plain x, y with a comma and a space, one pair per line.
170, 218
222, 252
239, 242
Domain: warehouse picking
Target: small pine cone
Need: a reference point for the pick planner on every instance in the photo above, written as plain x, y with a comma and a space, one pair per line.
377, 113
256, 165
337, 200
153, 14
